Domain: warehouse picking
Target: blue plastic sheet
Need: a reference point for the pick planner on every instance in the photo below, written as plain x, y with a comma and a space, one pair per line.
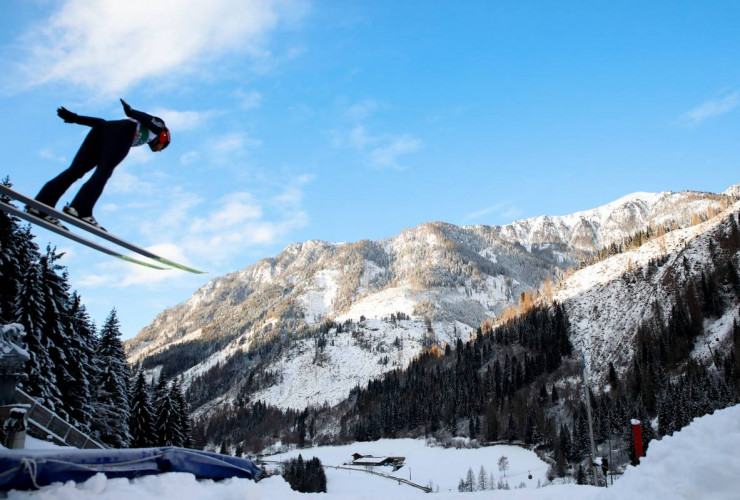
29, 469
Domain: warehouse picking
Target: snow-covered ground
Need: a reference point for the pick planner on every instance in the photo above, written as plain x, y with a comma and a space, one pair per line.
423, 464
699, 462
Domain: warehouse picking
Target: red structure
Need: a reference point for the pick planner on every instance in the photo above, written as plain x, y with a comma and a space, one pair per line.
637, 438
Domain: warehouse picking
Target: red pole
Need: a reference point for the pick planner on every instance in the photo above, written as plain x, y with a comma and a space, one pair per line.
637, 437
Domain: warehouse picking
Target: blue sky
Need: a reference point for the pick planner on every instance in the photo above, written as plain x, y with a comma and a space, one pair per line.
294, 120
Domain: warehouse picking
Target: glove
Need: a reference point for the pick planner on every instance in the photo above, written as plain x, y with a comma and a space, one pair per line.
66, 115
126, 107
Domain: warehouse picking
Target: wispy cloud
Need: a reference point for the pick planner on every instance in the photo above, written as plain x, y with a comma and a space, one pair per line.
209, 234
48, 155
109, 45
710, 109
248, 99
504, 211
389, 154
182, 121
125, 182
379, 151
230, 149
364, 109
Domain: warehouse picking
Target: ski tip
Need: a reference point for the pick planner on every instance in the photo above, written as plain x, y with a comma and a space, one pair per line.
181, 267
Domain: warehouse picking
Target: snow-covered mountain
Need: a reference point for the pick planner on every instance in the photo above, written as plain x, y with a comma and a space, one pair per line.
320, 318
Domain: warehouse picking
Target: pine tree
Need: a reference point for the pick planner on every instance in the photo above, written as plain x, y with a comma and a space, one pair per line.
482, 479
29, 312
141, 421
16, 251
113, 408
83, 369
167, 424
581, 476
180, 412
470, 480
55, 289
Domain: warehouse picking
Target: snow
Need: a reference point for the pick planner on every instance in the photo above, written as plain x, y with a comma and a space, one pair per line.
319, 299
441, 467
33, 443
606, 306
699, 462
383, 303
348, 359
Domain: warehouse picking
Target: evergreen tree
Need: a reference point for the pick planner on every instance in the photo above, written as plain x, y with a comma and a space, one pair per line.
180, 412
141, 421
482, 479
113, 411
83, 369
169, 432
470, 480
55, 289
305, 476
580, 476
16, 251
41, 379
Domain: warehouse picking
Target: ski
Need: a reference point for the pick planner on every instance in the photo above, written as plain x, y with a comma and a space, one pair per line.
8, 208
90, 229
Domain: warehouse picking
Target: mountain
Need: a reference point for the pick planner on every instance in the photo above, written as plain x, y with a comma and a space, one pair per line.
305, 327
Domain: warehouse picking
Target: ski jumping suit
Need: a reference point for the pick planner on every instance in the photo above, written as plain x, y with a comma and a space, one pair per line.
105, 146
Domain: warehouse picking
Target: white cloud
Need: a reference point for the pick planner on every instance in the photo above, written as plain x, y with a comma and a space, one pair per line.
204, 233
189, 158
389, 154
124, 182
364, 109
140, 275
231, 143
48, 155
500, 210
181, 121
235, 210
112, 45
710, 109
138, 155
380, 151
248, 100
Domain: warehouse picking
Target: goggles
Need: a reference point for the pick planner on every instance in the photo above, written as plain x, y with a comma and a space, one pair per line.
162, 140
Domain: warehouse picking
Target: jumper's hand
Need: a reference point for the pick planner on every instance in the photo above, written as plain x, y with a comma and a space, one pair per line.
126, 107
66, 115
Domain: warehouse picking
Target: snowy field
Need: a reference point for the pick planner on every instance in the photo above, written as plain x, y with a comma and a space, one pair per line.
423, 464
700, 462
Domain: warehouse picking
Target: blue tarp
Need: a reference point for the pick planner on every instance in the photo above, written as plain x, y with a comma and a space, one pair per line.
28, 469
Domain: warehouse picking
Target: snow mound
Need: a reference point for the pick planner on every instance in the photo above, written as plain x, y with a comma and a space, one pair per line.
700, 461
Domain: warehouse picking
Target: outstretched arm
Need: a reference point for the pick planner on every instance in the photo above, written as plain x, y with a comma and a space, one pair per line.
70, 117
153, 123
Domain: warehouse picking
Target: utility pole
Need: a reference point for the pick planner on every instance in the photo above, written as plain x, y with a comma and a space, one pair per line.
590, 423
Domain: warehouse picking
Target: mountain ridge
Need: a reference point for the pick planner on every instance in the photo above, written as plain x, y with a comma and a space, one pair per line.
447, 279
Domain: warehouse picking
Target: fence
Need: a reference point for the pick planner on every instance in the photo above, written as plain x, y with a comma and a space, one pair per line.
50, 424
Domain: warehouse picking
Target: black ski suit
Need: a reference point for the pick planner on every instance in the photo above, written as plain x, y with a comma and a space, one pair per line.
105, 146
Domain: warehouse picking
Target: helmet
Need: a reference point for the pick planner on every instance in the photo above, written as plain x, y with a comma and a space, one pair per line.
162, 140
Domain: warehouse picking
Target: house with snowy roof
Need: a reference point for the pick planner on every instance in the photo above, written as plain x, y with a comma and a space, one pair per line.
371, 461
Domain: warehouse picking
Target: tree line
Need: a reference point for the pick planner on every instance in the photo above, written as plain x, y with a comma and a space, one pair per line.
75, 370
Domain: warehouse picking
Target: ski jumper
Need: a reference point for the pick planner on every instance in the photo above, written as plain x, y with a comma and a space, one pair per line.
105, 146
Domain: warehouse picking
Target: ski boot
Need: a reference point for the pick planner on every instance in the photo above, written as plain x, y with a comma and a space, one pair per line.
71, 211
44, 216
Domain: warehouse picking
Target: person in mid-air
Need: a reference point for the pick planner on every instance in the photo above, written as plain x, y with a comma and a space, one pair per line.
105, 146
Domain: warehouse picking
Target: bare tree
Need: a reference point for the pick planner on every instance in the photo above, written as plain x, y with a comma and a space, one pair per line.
503, 464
